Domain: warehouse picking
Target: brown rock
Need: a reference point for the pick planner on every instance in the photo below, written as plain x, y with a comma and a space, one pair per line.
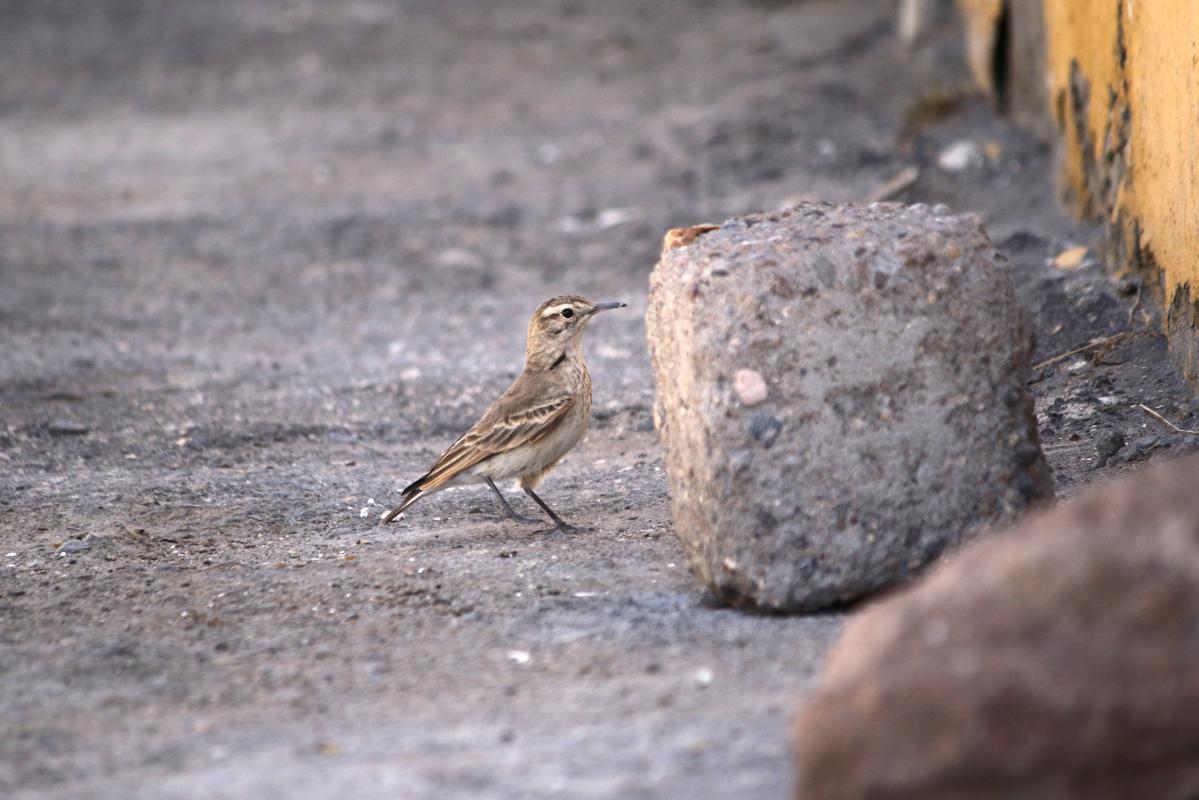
1058, 660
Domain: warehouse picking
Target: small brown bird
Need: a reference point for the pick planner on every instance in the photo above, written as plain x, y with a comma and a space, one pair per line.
538, 420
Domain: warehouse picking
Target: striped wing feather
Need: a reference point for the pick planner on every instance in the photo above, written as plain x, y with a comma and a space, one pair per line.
510, 423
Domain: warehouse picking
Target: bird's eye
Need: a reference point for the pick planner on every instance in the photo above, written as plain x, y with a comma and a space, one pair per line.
567, 313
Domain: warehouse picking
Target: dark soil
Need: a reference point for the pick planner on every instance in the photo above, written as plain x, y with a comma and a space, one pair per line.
260, 262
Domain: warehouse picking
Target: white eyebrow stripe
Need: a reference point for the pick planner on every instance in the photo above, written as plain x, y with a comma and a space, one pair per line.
552, 310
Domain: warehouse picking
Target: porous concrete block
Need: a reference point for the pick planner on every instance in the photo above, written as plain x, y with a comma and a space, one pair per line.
841, 396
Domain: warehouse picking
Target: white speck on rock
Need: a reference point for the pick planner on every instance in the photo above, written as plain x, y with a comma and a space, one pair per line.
704, 676
750, 386
519, 656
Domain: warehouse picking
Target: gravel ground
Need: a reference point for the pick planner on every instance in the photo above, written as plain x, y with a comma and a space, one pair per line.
260, 262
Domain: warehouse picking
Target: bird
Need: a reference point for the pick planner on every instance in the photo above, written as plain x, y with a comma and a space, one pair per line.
542, 415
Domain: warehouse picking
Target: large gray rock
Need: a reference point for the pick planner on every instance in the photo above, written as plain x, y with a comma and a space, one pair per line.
840, 392
1059, 660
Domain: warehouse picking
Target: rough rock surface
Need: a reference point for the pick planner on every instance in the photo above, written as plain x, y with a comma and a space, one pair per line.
1058, 660
893, 422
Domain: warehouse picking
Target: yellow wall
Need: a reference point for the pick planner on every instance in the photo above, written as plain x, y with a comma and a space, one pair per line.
1124, 92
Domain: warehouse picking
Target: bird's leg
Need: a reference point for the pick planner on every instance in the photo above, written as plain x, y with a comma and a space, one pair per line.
562, 526
507, 508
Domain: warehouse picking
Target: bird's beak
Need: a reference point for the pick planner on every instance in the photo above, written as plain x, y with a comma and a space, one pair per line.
598, 307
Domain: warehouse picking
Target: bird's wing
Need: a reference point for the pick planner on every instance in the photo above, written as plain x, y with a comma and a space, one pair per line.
513, 421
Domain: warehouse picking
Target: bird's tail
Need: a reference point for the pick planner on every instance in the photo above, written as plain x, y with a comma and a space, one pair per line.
413, 492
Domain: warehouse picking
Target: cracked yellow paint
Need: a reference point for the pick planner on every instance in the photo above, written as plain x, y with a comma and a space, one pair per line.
1124, 78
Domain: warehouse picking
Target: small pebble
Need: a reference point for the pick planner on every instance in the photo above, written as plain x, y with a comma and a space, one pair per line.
1070, 259
960, 156
1108, 443
1137, 450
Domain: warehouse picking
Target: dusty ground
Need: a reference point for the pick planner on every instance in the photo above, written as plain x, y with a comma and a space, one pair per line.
260, 262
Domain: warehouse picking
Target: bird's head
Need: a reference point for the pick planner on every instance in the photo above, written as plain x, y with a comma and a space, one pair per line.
557, 326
